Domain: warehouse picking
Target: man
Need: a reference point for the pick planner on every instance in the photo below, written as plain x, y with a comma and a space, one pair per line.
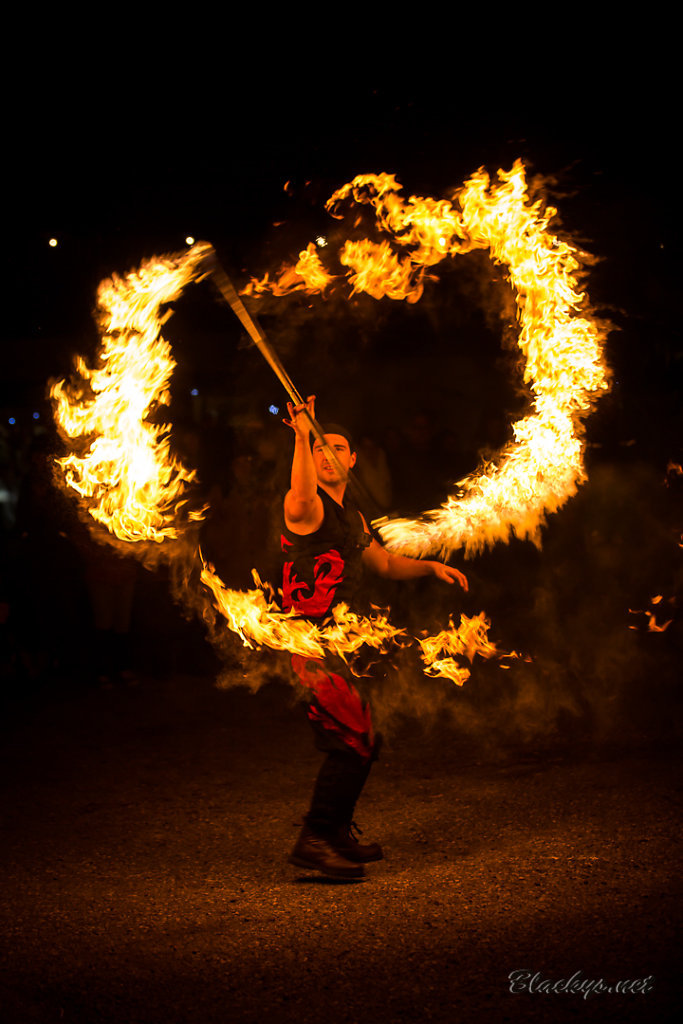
325, 543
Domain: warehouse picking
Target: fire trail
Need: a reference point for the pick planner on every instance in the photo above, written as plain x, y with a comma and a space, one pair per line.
127, 480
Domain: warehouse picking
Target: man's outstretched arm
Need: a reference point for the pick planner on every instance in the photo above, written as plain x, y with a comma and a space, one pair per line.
399, 567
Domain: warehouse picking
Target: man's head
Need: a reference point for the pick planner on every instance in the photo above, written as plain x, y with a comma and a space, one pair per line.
340, 441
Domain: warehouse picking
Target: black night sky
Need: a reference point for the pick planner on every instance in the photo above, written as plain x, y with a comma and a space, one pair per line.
115, 184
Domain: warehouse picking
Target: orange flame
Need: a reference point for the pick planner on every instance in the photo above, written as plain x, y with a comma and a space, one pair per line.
308, 274
468, 640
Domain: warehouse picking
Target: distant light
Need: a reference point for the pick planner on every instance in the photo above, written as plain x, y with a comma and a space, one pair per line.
321, 241
190, 240
36, 415
274, 409
194, 392
52, 242
11, 421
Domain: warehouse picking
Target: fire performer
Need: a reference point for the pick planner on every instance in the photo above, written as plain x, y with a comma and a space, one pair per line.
325, 542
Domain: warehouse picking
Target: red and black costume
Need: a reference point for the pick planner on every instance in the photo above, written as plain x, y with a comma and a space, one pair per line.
323, 569
320, 570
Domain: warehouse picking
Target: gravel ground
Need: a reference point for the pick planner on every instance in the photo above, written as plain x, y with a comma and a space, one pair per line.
144, 847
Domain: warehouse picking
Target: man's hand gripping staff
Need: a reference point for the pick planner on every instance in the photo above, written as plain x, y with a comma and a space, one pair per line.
327, 465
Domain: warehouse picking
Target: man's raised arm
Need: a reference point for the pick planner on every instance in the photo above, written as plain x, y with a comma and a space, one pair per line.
303, 508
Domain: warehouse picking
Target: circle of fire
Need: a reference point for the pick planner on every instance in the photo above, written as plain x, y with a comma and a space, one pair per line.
542, 467
121, 466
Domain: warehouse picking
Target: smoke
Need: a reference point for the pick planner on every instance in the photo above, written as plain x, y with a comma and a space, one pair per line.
593, 679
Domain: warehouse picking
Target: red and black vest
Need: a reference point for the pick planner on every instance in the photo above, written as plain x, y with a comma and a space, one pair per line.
323, 569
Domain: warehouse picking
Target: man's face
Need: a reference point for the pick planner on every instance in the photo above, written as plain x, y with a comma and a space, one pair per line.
326, 472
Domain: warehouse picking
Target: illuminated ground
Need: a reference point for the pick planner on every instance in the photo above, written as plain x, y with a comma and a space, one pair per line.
144, 862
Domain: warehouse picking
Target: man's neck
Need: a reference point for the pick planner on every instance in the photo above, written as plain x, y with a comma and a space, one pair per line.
335, 491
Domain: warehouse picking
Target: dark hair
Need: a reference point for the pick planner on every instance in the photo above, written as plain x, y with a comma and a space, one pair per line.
335, 428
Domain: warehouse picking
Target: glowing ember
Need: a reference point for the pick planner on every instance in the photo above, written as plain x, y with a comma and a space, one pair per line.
123, 469
652, 625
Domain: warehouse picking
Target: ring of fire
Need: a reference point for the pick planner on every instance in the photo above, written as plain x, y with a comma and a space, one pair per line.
537, 472
121, 465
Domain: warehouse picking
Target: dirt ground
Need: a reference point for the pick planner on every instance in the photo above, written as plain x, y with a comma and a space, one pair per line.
144, 864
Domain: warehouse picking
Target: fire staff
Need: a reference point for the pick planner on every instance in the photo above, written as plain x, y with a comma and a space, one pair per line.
325, 542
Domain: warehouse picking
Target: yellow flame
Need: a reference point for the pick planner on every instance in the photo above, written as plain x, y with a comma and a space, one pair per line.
536, 473
377, 270
130, 481
133, 485
260, 623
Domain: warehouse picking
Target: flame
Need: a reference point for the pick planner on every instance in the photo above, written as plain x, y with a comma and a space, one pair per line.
125, 473
308, 273
132, 484
377, 270
430, 225
536, 473
259, 623
468, 640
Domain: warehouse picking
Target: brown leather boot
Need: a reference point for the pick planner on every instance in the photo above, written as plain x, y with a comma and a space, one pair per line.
317, 853
346, 843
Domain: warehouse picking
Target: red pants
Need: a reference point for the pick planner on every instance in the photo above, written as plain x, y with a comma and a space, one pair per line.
339, 717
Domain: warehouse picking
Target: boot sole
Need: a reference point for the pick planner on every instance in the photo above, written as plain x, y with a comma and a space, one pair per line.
365, 860
349, 875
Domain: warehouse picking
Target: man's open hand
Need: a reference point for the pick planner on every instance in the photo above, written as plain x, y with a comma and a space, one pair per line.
448, 574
